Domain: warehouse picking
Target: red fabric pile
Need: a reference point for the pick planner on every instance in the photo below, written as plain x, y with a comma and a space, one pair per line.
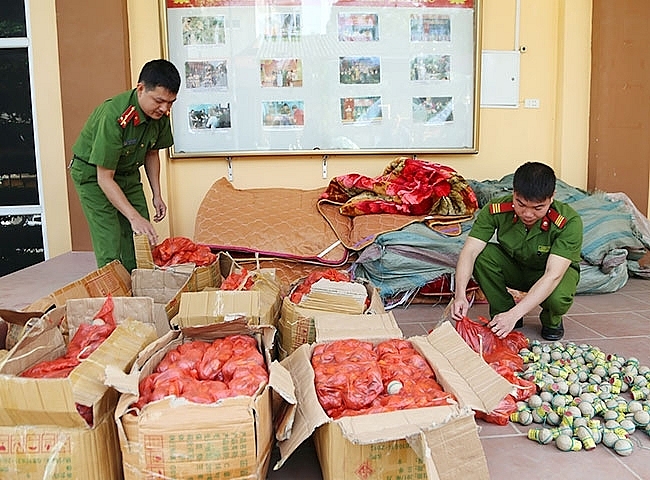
240, 280
84, 342
408, 187
205, 372
502, 354
178, 250
351, 377
304, 286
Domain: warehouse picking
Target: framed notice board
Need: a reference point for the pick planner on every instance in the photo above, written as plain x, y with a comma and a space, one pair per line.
294, 76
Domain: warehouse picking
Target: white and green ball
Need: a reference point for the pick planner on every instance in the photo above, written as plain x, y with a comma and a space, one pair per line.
623, 447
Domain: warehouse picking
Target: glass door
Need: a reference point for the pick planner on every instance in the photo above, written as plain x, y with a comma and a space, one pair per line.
21, 226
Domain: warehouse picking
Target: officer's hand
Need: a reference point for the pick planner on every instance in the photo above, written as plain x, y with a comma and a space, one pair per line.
459, 308
142, 226
503, 323
161, 209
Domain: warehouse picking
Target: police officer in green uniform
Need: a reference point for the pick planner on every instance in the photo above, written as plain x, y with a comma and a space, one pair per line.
122, 134
537, 250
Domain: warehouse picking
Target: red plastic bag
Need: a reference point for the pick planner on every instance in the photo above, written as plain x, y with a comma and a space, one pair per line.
85, 341
305, 286
483, 340
501, 414
178, 250
204, 372
351, 378
241, 280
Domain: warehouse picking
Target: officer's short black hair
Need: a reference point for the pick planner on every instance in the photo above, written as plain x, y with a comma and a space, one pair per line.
160, 73
534, 181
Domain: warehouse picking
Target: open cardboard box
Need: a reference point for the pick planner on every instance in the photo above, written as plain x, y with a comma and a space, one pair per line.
163, 286
296, 323
42, 435
176, 438
260, 304
435, 442
52, 401
111, 279
204, 276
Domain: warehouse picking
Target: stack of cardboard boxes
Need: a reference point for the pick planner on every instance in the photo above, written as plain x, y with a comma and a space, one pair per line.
43, 436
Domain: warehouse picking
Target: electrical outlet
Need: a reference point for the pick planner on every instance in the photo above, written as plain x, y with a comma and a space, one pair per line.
531, 102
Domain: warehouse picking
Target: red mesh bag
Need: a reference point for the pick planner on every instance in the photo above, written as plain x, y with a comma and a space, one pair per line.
178, 250
204, 372
351, 378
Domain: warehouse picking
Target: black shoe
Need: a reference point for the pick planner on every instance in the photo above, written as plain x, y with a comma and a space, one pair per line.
520, 323
552, 334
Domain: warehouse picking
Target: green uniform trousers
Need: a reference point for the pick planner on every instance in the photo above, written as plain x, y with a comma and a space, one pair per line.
110, 231
494, 270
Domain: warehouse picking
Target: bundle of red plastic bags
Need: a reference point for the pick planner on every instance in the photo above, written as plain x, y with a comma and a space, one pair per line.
85, 341
502, 354
205, 372
352, 376
179, 250
238, 280
304, 286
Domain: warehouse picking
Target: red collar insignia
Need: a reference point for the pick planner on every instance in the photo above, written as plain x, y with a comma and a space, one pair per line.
129, 114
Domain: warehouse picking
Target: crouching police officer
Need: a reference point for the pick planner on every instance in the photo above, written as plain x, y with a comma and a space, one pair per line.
537, 250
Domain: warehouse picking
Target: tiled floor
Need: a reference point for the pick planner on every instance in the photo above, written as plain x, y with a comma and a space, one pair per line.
616, 323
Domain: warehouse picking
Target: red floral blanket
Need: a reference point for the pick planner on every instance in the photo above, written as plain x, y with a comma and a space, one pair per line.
407, 187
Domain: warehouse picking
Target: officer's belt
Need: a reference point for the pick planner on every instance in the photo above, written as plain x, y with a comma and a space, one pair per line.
117, 172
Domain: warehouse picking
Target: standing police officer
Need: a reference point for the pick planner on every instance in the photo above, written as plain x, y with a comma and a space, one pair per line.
122, 134
537, 250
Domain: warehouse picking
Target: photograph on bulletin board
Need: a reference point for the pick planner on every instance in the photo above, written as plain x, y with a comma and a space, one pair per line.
350, 76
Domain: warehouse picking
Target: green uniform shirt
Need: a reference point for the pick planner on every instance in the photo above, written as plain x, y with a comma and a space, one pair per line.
104, 142
531, 248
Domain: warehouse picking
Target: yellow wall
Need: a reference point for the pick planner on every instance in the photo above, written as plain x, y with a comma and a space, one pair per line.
48, 119
555, 69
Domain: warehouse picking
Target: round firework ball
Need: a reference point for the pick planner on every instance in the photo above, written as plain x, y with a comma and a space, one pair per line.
534, 401
587, 409
628, 425
394, 387
641, 418
623, 447
634, 406
566, 443
546, 396
525, 417
610, 438
541, 435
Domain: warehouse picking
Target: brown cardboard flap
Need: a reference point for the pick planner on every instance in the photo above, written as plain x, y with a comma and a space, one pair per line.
119, 350
462, 371
339, 326
216, 306
308, 414
284, 401
388, 426
452, 450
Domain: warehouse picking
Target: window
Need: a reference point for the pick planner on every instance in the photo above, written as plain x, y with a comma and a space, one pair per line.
21, 230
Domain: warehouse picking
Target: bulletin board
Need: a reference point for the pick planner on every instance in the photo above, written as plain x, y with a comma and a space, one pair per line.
348, 76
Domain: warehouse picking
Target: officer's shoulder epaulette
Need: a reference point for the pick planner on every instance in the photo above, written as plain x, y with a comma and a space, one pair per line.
501, 207
131, 113
556, 217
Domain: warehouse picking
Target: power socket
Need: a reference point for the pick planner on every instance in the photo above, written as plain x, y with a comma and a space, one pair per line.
531, 103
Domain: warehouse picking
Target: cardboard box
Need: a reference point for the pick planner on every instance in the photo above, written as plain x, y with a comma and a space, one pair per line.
163, 286
204, 276
49, 452
111, 279
296, 323
43, 401
175, 438
435, 442
261, 304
